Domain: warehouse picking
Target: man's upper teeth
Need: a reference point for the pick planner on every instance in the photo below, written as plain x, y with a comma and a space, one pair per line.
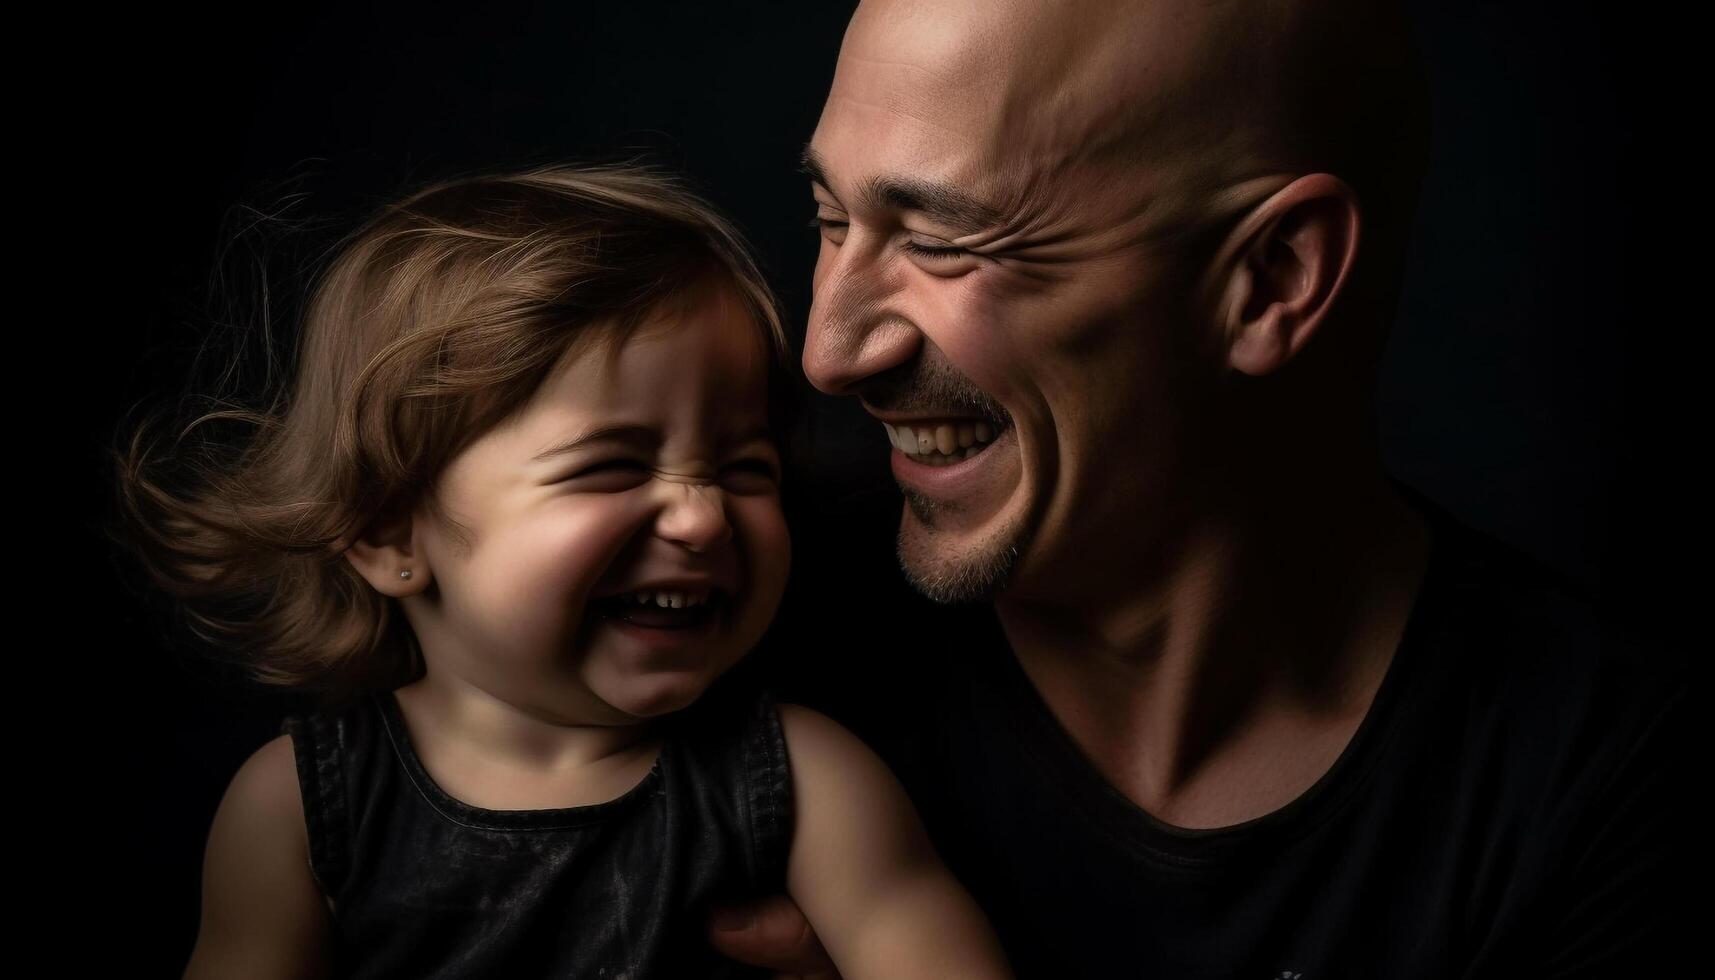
670, 600
953, 438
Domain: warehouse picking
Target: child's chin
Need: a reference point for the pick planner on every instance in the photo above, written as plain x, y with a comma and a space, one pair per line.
658, 696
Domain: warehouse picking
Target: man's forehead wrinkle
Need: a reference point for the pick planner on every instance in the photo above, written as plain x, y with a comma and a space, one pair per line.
958, 112
1053, 96
956, 38
938, 77
1094, 118
1175, 101
960, 55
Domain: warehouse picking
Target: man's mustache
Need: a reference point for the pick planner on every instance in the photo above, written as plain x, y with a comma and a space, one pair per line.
929, 385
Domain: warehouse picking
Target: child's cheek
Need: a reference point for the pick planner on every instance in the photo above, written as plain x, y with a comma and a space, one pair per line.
760, 526
543, 571
588, 539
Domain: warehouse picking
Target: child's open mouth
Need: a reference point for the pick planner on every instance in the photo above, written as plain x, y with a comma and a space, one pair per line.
663, 610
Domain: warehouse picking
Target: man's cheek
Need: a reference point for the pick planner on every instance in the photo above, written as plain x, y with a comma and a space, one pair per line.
980, 335
824, 261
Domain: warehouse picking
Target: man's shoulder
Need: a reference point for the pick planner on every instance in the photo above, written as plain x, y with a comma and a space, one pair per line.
1566, 736
1530, 618
1537, 666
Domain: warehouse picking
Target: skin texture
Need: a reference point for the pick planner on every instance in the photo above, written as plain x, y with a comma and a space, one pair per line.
1108, 226
601, 486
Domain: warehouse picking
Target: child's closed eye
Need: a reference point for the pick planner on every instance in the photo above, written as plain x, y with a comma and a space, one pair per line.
751, 475
609, 476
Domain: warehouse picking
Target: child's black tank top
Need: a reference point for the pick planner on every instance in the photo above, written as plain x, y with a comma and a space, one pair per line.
424, 885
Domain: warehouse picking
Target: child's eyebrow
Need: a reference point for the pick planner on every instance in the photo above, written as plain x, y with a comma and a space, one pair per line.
633, 436
637, 436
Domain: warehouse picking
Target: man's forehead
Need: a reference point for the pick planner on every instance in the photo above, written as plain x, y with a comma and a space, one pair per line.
979, 90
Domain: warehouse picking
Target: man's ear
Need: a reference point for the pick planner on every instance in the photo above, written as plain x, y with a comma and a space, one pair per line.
1286, 263
388, 557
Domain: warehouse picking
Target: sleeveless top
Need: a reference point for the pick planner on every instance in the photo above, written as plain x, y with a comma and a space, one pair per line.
426, 886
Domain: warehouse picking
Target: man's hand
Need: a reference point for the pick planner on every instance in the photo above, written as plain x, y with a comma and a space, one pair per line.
773, 934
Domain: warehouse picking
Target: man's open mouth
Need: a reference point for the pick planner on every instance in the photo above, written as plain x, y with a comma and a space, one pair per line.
664, 610
942, 442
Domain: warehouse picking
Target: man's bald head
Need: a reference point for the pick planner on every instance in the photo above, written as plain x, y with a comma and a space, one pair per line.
1202, 95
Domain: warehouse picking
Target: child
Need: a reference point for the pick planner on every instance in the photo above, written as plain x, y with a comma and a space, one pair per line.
519, 511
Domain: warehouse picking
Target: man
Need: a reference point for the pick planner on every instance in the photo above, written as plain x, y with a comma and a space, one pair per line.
1115, 276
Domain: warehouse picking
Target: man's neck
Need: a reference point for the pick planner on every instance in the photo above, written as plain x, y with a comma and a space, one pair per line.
1229, 683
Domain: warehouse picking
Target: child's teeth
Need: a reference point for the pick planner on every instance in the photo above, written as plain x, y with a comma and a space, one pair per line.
666, 599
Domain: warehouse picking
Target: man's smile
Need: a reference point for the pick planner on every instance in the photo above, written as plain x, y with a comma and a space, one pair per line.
947, 457
941, 442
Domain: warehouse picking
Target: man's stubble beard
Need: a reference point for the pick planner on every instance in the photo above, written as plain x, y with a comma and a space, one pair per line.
930, 384
973, 577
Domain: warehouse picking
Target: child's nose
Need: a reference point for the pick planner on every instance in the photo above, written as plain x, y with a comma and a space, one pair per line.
695, 516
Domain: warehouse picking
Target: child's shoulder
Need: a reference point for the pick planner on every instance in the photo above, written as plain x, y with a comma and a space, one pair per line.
264, 805
267, 782
814, 735
270, 784
263, 914
862, 867
823, 751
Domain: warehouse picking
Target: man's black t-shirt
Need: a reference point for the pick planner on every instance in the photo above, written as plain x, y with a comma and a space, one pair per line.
1510, 805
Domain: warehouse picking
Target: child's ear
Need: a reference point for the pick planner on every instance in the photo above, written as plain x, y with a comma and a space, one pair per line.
388, 557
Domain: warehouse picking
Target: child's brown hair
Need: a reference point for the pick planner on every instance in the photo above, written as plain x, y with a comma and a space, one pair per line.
435, 320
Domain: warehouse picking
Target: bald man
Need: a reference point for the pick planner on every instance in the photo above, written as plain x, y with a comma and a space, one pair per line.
1113, 278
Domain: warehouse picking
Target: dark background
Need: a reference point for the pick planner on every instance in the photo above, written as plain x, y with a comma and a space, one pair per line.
1522, 390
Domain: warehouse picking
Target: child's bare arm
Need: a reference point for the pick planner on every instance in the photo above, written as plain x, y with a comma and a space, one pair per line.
263, 915
863, 870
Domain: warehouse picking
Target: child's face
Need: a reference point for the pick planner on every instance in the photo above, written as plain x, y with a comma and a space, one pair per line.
649, 473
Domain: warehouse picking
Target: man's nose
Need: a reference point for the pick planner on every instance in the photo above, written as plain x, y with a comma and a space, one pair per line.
694, 516
856, 328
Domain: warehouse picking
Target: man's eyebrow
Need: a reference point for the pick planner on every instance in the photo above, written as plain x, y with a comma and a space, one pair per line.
637, 436
948, 205
810, 165
945, 204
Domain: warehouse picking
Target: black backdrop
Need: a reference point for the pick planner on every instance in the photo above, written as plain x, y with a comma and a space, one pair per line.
1514, 393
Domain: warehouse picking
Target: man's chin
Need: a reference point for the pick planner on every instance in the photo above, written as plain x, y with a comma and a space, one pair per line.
947, 570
